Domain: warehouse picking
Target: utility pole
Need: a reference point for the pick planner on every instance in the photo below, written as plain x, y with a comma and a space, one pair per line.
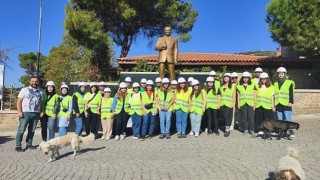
39, 39
11, 85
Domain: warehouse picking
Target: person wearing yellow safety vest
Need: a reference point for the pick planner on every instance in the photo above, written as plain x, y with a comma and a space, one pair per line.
102, 86
246, 102
143, 85
182, 107
213, 96
136, 110
256, 75
128, 82
157, 86
198, 107
92, 110
49, 118
228, 98
150, 108
65, 110
215, 81
173, 87
190, 79
78, 107
120, 108
165, 101
106, 115
283, 96
234, 80
265, 101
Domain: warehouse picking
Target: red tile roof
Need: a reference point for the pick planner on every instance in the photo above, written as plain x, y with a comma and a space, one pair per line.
211, 59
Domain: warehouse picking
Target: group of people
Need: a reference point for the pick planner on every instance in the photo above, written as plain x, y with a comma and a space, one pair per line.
255, 97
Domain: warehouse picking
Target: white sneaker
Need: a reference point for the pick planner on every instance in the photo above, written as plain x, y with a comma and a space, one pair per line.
103, 137
260, 133
122, 136
231, 128
107, 138
206, 130
274, 134
135, 138
191, 133
117, 138
196, 134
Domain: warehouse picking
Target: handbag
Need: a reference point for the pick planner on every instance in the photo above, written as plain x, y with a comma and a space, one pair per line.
149, 106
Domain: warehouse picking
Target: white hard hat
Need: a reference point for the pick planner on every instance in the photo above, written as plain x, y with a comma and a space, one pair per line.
195, 82
210, 79
102, 83
212, 73
143, 80
82, 84
264, 75
158, 80
149, 82
50, 83
246, 74
122, 85
181, 80
174, 82
165, 80
281, 69
135, 85
227, 74
92, 84
234, 74
128, 79
258, 69
64, 86
190, 79
107, 89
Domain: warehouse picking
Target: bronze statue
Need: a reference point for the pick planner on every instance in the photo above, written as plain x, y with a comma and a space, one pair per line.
168, 53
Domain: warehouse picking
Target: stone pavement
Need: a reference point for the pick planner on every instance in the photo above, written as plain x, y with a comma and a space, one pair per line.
206, 157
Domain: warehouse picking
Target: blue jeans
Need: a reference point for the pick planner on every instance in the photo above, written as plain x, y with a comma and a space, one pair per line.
29, 119
79, 124
51, 126
285, 115
165, 121
136, 124
63, 131
181, 121
195, 122
146, 118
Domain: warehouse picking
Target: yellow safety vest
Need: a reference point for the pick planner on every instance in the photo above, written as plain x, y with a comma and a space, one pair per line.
106, 108
146, 100
64, 104
281, 96
120, 104
197, 103
80, 101
163, 102
50, 104
226, 96
94, 103
182, 101
212, 99
246, 94
264, 99
135, 103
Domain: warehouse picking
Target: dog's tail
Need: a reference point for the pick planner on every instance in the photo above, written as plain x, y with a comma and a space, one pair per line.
88, 139
292, 152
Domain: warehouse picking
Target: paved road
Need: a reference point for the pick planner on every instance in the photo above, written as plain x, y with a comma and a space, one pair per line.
206, 157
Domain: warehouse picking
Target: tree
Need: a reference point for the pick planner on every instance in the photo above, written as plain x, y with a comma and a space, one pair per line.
259, 53
126, 20
28, 61
4, 55
295, 23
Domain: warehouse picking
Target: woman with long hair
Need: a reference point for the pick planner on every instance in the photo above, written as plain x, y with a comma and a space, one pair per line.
246, 102
228, 98
65, 110
106, 115
78, 107
120, 109
136, 110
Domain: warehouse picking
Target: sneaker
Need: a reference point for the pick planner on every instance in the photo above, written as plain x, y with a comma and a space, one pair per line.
168, 136
161, 136
135, 138
227, 134
191, 133
231, 128
19, 149
150, 136
217, 133
274, 134
260, 133
147, 136
31, 147
103, 137
206, 130
107, 138
196, 134
291, 133
143, 138
245, 132
122, 136
179, 135
252, 133
183, 135
117, 138
209, 132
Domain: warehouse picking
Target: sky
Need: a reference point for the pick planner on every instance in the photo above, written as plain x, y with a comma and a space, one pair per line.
223, 26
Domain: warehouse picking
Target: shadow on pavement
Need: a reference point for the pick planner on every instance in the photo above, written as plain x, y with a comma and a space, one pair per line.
82, 151
4, 139
271, 176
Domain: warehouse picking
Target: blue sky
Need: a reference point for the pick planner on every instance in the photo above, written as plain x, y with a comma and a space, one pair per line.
223, 26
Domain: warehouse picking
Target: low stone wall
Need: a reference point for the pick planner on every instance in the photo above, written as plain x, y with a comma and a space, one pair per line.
305, 100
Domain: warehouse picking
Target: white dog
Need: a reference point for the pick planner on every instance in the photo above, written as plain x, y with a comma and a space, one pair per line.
59, 142
289, 168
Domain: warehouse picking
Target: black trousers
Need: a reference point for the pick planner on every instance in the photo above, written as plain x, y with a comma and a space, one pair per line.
44, 127
227, 114
212, 117
260, 115
92, 123
121, 120
247, 117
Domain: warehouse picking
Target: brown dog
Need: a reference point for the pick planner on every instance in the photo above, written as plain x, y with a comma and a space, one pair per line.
283, 126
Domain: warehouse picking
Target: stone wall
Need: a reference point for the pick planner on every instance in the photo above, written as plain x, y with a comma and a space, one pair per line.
304, 99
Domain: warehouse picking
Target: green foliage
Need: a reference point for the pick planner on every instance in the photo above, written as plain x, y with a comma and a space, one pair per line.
4, 55
206, 69
28, 61
295, 23
259, 53
125, 20
142, 66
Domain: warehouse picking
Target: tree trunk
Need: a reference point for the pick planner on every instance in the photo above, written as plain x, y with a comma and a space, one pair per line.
125, 46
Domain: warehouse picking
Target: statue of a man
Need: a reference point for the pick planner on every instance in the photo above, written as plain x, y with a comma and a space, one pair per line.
168, 53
